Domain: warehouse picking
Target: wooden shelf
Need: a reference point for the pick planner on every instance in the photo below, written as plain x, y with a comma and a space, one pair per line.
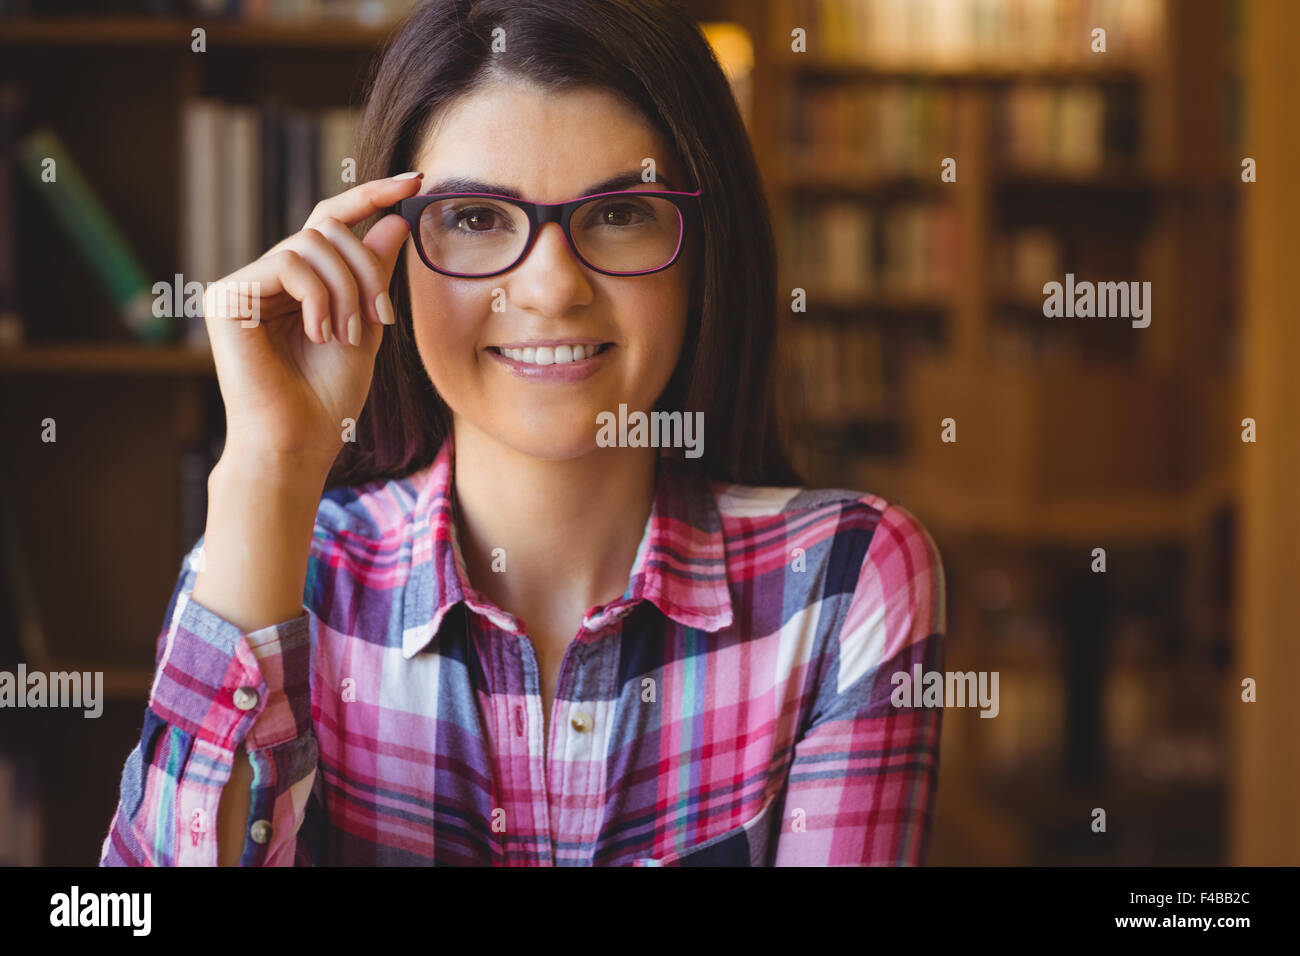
167, 33
93, 359
805, 180
799, 66
870, 302
1095, 519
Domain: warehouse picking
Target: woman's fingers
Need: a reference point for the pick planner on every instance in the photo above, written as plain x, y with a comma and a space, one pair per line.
299, 279
282, 269
328, 270
367, 262
353, 205
385, 239
345, 299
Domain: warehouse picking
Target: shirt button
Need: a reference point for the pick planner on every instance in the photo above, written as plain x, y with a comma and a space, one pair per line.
581, 723
245, 698
260, 831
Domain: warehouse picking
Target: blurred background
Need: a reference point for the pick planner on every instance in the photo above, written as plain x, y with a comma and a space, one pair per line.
1159, 157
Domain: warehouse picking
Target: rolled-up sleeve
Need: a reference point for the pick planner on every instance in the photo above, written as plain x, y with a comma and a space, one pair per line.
216, 689
863, 775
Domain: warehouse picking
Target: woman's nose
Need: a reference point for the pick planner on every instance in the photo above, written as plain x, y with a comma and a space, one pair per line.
550, 277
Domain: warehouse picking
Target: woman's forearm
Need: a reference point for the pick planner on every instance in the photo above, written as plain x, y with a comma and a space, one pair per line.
257, 540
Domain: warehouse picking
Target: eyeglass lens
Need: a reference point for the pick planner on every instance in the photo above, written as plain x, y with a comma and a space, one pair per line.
475, 235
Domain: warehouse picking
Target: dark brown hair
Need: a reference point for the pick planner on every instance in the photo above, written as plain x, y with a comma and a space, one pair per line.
653, 54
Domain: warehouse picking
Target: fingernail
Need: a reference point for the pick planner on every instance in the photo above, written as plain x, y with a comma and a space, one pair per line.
325, 332
354, 328
411, 175
384, 306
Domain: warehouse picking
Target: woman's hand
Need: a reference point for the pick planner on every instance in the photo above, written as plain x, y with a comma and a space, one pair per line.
294, 370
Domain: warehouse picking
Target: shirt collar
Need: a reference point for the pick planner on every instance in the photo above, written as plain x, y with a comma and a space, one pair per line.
680, 565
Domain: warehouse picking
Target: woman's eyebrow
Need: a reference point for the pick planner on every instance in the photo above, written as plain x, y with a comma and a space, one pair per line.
461, 184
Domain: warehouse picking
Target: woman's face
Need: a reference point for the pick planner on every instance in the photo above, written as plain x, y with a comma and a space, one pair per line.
550, 147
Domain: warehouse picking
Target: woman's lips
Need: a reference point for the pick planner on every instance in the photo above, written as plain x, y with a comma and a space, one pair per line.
563, 372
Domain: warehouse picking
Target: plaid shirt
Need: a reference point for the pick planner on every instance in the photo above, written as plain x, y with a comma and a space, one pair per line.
732, 707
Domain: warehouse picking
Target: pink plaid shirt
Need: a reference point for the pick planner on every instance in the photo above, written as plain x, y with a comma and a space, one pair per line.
732, 707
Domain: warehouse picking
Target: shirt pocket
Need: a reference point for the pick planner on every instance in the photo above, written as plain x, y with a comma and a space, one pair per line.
745, 845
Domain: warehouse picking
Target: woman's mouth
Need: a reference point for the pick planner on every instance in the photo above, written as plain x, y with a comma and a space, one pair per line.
567, 362
550, 355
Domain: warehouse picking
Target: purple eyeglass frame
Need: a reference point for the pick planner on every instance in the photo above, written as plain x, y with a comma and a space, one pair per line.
540, 213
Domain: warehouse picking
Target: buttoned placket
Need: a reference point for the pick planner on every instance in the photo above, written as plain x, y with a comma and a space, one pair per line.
575, 733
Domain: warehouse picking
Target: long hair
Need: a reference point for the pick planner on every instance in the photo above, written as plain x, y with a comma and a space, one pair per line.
655, 55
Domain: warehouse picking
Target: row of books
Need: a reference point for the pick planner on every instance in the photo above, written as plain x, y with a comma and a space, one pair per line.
906, 128
1017, 338
887, 129
251, 176
1142, 738
841, 373
1073, 128
1023, 260
38, 156
963, 33
846, 249
365, 12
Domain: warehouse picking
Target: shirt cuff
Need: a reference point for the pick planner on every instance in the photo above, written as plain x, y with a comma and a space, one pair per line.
225, 686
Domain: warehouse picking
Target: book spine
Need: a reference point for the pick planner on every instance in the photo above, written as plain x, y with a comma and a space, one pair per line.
271, 192
200, 204
87, 223
241, 187
300, 169
11, 324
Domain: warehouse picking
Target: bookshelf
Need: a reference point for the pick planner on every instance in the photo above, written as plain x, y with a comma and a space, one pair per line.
139, 426
1071, 435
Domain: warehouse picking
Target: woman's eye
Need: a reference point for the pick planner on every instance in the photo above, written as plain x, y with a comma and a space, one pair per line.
622, 214
475, 220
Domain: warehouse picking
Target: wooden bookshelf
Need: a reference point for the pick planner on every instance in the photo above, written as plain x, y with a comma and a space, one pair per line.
1048, 460
164, 33
100, 359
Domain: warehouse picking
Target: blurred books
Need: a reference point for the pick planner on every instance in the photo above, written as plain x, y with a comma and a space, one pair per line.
251, 175
364, 12
961, 34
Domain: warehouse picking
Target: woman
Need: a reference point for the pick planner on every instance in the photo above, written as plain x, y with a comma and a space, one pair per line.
507, 633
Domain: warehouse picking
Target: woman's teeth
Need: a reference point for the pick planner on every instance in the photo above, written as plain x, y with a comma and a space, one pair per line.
546, 355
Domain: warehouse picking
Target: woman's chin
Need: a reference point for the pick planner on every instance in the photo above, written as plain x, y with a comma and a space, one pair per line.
560, 442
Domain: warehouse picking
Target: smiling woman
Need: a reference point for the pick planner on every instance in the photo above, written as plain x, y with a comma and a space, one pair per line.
499, 637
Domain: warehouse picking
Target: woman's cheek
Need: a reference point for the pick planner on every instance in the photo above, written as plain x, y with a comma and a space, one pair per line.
446, 338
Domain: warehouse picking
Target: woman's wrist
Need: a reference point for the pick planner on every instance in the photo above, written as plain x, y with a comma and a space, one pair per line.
261, 517
274, 469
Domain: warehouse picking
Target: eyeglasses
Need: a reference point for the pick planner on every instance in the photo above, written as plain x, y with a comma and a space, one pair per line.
475, 235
